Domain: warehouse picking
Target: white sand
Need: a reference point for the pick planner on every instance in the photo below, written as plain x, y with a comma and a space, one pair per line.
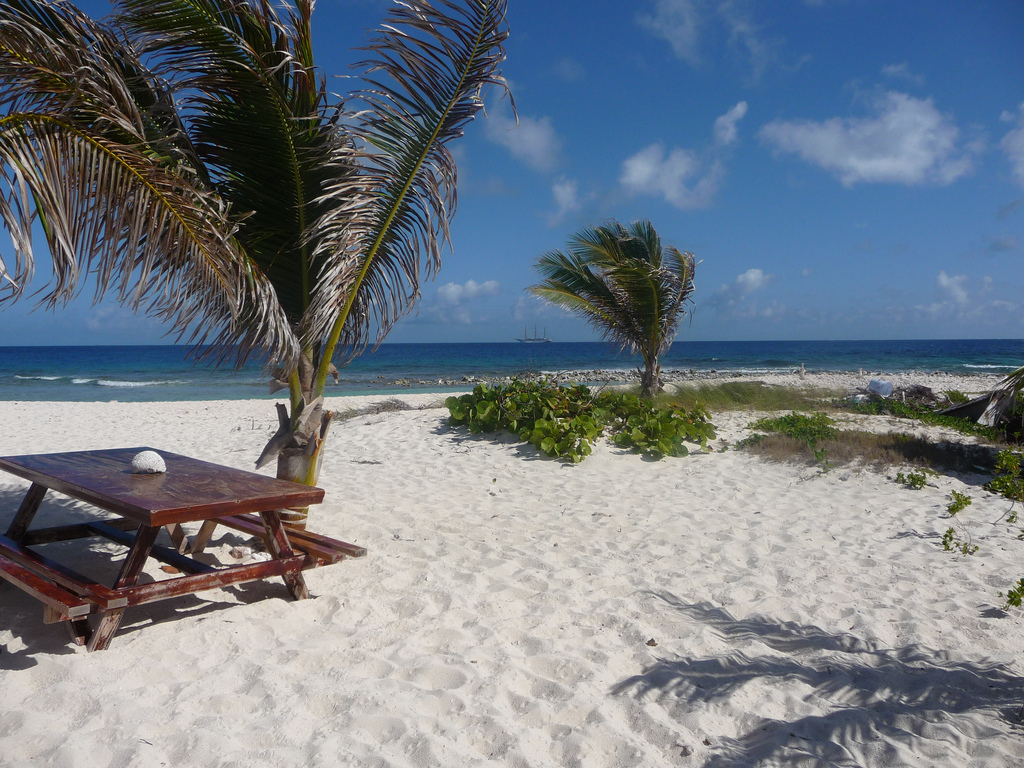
504, 613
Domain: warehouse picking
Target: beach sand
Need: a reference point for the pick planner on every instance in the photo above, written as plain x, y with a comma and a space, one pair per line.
714, 610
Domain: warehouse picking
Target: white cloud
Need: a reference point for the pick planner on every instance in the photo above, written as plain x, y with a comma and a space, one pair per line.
534, 141
743, 33
725, 126
953, 286
957, 303
746, 283
907, 141
458, 304
685, 178
679, 22
452, 294
565, 192
1013, 143
684, 22
679, 176
750, 281
902, 72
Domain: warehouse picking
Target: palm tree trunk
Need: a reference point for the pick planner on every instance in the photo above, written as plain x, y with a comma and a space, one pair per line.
650, 378
304, 429
300, 463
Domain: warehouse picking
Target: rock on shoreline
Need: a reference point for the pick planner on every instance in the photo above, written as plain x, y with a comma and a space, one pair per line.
851, 381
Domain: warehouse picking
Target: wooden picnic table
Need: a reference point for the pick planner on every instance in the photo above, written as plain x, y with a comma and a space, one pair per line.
190, 491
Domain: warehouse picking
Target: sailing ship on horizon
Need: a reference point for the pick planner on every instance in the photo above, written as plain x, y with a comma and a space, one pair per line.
535, 339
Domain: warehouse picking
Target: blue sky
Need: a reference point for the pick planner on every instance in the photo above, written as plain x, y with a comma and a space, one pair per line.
848, 169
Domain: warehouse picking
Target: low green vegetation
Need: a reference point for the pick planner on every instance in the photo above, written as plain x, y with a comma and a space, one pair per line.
958, 502
750, 396
815, 439
798, 428
951, 542
922, 413
564, 422
1014, 596
1007, 481
915, 481
956, 397
810, 429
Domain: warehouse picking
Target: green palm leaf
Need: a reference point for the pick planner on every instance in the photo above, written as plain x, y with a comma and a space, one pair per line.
428, 65
89, 145
256, 108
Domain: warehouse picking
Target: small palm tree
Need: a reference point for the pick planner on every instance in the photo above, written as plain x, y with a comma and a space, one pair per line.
624, 284
188, 154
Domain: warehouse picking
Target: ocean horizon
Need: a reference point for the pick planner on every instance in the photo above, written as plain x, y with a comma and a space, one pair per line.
167, 373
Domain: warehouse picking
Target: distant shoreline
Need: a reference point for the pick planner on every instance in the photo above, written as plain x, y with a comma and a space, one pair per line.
851, 380
164, 374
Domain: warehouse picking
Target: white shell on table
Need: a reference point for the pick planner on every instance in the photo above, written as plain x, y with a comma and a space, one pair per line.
148, 463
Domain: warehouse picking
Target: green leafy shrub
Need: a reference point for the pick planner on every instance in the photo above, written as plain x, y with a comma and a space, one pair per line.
564, 422
1014, 596
810, 429
953, 543
915, 481
958, 502
1007, 481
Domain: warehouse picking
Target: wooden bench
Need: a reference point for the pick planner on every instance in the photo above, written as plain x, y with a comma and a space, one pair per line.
319, 549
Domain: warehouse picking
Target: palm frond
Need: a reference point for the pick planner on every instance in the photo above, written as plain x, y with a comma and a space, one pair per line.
257, 110
428, 65
1004, 399
89, 144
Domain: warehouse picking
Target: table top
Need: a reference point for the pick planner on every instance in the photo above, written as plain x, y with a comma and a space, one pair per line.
190, 490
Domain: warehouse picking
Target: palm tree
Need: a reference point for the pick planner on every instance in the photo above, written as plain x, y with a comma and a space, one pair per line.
624, 284
188, 155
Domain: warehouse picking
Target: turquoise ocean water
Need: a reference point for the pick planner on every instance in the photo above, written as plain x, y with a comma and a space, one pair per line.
159, 373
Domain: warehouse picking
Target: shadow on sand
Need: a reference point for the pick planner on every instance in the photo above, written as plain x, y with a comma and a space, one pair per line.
884, 703
99, 559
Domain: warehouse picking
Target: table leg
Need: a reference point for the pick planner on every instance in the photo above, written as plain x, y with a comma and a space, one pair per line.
201, 539
27, 511
131, 569
279, 546
178, 538
79, 630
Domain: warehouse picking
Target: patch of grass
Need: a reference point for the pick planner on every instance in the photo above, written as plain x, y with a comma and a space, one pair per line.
810, 429
956, 396
389, 405
850, 447
903, 410
749, 396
